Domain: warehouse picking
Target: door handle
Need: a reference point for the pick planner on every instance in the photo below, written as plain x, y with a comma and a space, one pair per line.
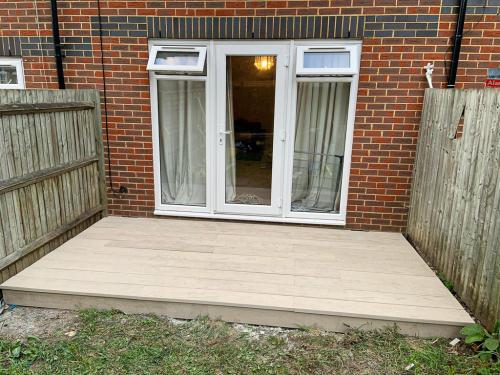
221, 135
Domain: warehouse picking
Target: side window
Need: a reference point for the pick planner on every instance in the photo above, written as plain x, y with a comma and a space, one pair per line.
324, 79
180, 78
11, 73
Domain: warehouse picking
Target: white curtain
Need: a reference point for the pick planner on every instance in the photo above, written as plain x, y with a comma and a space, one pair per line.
230, 143
319, 145
181, 110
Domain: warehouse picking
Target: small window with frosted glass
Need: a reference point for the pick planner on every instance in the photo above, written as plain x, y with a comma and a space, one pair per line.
326, 61
181, 113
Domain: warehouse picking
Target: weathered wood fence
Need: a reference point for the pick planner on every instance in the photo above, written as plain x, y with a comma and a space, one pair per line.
454, 218
51, 172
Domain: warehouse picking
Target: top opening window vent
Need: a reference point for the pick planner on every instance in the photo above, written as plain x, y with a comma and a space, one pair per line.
177, 59
327, 60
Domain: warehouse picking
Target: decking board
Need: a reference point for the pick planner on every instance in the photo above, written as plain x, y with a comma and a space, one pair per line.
276, 271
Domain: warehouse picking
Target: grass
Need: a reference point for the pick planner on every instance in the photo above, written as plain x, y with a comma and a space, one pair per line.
447, 283
114, 343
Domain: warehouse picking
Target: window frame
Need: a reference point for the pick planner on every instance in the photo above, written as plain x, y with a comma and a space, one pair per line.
16, 62
198, 68
323, 216
326, 47
296, 76
290, 95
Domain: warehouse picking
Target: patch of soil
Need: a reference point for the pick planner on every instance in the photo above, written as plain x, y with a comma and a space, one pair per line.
20, 322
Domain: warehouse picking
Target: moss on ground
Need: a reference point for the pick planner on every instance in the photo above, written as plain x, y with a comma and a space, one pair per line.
114, 343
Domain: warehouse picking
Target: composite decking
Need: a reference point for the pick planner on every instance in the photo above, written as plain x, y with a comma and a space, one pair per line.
244, 272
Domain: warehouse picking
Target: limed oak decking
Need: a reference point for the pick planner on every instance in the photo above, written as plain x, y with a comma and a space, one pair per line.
243, 272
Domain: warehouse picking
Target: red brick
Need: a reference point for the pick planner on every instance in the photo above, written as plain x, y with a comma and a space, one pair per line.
389, 96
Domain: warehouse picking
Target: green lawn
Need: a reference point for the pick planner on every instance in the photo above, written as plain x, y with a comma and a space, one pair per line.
115, 343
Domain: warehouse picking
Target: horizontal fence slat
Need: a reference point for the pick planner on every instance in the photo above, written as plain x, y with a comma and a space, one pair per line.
32, 178
48, 237
29, 108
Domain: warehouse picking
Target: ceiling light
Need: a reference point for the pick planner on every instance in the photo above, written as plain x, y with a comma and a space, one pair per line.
264, 62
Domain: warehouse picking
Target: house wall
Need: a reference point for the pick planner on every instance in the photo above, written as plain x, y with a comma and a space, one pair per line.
399, 38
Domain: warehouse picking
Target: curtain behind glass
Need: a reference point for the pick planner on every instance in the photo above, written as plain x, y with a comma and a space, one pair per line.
319, 146
181, 112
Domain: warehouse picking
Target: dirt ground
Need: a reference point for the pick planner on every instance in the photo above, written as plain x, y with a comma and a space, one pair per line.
17, 322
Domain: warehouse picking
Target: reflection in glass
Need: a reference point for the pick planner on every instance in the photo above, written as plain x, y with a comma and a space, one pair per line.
176, 58
8, 75
326, 60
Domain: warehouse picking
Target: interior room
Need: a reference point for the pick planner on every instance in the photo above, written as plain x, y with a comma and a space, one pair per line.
251, 93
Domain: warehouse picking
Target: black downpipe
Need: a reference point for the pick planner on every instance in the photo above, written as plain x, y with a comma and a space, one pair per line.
57, 44
455, 57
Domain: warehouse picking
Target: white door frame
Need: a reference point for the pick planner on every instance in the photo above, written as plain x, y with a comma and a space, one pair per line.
221, 53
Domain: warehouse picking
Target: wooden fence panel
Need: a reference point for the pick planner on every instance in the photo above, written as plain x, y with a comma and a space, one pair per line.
454, 218
51, 171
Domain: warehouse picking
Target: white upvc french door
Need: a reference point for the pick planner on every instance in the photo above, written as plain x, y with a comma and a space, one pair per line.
249, 154
253, 130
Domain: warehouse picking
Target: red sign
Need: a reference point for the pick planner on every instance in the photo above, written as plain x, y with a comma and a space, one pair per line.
492, 82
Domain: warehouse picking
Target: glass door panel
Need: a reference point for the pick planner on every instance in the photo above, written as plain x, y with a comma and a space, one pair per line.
251, 84
251, 99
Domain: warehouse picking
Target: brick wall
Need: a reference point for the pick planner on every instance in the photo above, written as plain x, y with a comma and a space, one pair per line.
399, 38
